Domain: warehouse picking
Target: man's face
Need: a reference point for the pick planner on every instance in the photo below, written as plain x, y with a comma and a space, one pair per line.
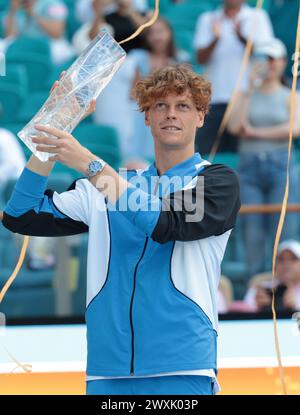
173, 120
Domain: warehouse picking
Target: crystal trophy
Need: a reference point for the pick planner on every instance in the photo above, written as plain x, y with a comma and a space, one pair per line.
81, 83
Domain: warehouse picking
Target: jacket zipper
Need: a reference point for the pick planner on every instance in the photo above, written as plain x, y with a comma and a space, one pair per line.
131, 303
132, 295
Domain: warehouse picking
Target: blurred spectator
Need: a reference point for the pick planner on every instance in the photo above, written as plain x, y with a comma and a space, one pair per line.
160, 51
12, 158
220, 41
286, 282
261, 118
90, 30
84, 9
40, 18
125, 20
224, 295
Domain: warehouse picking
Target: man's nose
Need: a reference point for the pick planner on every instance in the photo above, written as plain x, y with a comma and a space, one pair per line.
171, 113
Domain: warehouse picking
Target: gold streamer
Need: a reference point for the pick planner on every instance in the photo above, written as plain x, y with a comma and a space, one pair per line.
285, 200
143, 26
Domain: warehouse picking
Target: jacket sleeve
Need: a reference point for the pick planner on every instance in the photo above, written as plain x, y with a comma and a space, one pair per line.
31, 209
208, 207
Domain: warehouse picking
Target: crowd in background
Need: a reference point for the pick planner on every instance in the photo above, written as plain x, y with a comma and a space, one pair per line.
258, 128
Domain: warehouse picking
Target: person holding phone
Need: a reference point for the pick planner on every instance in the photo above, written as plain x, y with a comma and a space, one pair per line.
286, 282
36, 18
261, 118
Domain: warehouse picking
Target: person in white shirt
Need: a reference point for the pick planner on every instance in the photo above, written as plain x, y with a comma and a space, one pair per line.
220, 41
89, 30
84, 9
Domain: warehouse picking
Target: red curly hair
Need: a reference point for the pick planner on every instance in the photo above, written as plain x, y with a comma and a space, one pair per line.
173, 79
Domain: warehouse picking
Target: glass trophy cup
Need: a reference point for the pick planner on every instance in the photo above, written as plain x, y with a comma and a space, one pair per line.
82, 82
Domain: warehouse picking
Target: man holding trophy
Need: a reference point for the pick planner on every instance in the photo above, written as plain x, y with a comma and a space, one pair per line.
156, 241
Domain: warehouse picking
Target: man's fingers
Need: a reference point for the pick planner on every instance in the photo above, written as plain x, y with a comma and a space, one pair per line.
62, 75
46, 149
44, 140
92, 107
55, 85
52, 131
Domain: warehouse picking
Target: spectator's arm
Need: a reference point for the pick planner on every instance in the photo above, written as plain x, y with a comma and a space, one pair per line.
281, 131
11, 24
204, 54
239, 114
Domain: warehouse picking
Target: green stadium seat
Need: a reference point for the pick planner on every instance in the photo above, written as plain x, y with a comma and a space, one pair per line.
230, 159
37, 67
11, 100
101, 140
284, 16
31, 44
183, 16
34, 54
15, 75
4, 5
14, 127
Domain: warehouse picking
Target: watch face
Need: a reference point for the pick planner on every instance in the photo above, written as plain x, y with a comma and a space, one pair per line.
95, 167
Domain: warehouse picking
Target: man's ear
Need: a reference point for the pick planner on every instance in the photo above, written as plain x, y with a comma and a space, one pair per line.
201, 117
147, 122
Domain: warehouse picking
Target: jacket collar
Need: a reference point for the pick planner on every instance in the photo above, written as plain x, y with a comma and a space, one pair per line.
188, 167
180, 176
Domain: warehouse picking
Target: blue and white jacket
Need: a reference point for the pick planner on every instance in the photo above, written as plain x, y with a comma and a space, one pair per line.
152, 273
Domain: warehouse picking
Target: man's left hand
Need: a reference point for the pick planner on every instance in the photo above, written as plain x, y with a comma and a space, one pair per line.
66, 149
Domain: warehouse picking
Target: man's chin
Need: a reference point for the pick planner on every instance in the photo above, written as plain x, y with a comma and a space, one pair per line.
173, 140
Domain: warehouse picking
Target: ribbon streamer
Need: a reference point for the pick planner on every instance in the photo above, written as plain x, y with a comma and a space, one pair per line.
285, 200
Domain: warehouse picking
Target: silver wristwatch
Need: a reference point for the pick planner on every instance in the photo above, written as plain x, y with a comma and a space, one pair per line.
95, 167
